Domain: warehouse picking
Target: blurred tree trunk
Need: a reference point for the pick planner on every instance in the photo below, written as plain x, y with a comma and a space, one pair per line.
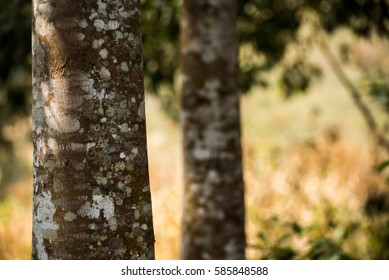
91, 184
213, 218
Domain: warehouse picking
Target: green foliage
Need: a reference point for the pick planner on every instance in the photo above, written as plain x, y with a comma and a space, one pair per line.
324, 239
272, 26
274, 244
298, 77
326, 249
269, 27
160, 27
363, 17
377, 209
15, 61
379, 89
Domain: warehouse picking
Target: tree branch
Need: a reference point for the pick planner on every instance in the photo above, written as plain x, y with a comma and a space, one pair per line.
355, 95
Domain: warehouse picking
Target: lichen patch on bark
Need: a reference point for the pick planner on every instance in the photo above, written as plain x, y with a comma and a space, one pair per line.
45, 228
90, 153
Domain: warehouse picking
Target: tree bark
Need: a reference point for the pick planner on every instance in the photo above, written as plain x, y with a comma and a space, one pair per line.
91, 185
213, 219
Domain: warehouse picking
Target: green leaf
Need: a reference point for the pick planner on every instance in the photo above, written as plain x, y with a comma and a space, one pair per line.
383, 165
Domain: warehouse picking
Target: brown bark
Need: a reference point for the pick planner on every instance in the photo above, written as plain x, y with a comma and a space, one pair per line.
91, 186
213, 219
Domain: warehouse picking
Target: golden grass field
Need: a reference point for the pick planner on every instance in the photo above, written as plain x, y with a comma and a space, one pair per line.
307, 161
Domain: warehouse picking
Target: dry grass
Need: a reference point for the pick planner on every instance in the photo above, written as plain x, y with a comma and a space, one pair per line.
289, 173
15, 222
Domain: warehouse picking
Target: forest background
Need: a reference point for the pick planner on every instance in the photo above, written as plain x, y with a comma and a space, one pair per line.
314, 158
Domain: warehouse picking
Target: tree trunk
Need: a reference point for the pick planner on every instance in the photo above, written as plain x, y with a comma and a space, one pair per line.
91, 184
213, 220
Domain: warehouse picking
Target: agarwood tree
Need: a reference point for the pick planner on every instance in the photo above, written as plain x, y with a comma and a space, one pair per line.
213, 218
91, 185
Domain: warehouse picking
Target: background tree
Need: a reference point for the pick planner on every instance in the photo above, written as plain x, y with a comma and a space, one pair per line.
213, 218
91, 185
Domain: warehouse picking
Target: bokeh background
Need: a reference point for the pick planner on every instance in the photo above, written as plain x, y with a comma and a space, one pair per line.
315, 167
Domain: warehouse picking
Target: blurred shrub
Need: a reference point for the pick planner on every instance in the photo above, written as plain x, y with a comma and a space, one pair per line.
282, 240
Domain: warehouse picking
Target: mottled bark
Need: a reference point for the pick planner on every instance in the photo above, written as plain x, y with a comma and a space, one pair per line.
213, 219
91, 185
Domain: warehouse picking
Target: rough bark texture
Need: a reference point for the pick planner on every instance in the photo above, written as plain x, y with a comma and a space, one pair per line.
213, 220
91, 185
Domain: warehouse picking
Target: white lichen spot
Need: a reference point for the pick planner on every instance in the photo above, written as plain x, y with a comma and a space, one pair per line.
122, 155
104, 73
99, 24
80, 36
38, 130
92, 226
194, 188
69, 216
100, 203
83, 23
103, 53
147, 208
134, 11
44, 226
128, 191
141, 110
93, 14
136, 214
144, 227
45, 90
101, 181
213, 177
110, 112
135, 150
44, 28
87, 86
89, 145
118, 35
124, 127
208, 56
201, 153
52, 144
120, 166
112, 25
97, 43
102, 7
212, 84
101, 95
113, 224
131, 37
231, 247
124, 66
124, 13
